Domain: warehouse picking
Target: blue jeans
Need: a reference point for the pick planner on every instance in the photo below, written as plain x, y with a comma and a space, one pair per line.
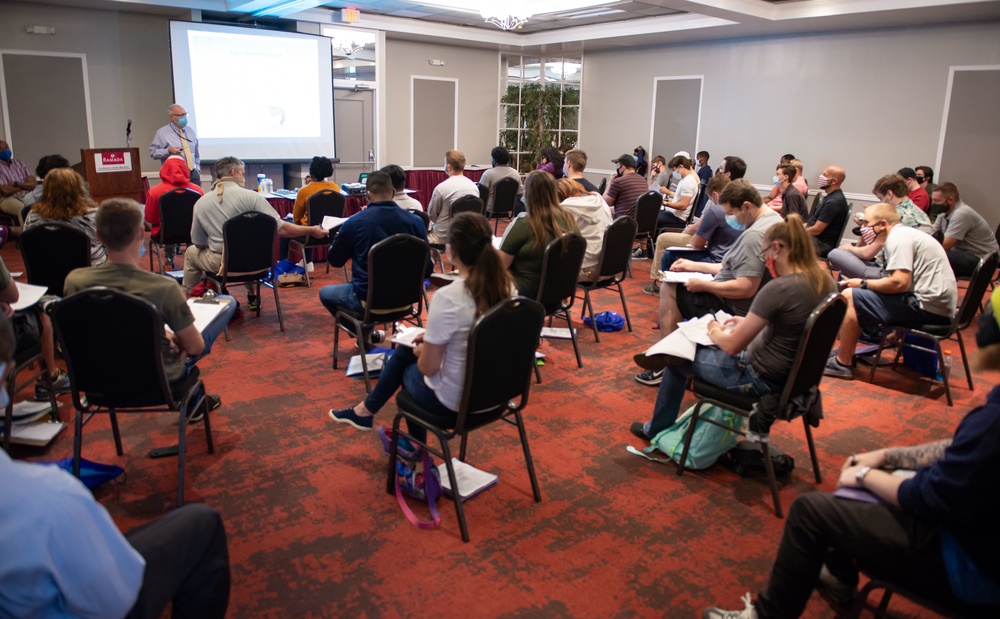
712, 365
401, 371
340, 297
670, 257
213, 331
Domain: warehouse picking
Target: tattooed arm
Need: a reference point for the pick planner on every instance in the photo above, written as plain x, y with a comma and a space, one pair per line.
916, 456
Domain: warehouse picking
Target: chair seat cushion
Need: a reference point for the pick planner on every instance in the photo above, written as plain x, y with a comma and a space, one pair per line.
938, 330
739, 402
406, 402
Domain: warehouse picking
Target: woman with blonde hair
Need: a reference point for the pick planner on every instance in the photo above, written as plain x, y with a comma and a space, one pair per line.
66, 198
525, 240
592, 215
751, 355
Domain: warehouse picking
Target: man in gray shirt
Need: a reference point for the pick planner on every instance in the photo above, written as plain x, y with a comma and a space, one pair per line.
501, 169
457, 185
962, 231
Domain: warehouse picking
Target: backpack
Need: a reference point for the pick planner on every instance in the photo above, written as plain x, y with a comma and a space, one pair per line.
747, 457
708, 444
416, 477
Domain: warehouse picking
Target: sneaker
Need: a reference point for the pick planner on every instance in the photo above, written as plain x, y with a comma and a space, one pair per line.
650, 377
639, 430
748, 612
253, 303
835, 369
347, 415
377, 336
212, 401
168, 264
310, 267
639, 253
60, 384
651, 289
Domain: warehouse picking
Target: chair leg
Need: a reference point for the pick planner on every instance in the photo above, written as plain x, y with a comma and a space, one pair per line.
590, 308
257, 294
576, 346
115, 432
538, 374
621, 293
77, 442
390, 482
462, 446
878, 355
456, 499
812, 451
181, 435
527, 457
944, 373
688, 436
965, 359
277, 305
771, 480
336, 341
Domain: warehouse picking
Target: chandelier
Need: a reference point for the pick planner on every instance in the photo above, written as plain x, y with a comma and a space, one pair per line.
345, 48
506, 18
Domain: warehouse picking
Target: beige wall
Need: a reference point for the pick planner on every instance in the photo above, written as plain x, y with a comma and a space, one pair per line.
476, 72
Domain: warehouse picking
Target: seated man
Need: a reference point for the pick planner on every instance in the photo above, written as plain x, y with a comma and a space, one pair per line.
964, 233
456, 186
625, 188
826, 224
573, 167
501, 169
16, 181
120, 228
90, 569
934, 534
736, 279
382, 219
402, 199
680, 201
792, 200
45, 164
917, 193
918, 289
211, 212
710, 237
174, 174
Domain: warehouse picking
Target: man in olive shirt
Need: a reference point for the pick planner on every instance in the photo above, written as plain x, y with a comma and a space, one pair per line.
120, 228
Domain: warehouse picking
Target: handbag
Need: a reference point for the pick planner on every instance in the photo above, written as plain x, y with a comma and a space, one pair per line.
416, 477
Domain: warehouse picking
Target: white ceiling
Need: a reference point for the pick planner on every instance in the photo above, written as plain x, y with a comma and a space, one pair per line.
642, 22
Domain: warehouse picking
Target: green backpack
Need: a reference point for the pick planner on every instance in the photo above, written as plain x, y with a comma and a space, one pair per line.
708, 444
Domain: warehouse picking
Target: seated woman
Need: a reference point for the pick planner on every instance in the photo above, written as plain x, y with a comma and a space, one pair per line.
592, 215
752, 355
65, 198
320, 168
434, 372
525, 240
551, 161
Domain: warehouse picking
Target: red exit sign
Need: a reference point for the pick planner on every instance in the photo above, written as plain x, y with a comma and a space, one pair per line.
350, 16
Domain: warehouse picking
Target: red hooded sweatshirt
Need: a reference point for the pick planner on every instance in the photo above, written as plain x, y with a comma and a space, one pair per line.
174, 175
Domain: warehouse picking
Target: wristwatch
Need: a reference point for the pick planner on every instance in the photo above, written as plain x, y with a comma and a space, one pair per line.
861, 474
864, 284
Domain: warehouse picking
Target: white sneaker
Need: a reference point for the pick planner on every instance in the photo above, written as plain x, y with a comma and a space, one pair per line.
310, 267
748, 612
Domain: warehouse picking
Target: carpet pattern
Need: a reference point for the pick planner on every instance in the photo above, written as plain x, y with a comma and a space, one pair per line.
312, 532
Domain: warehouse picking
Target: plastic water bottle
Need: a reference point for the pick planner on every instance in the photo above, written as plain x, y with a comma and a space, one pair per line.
260, 183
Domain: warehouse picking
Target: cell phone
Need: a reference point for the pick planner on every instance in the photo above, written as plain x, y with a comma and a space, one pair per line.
859, 217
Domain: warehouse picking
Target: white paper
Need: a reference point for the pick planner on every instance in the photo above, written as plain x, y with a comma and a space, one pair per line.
27, 411
469, 479
29, 294
497, 242
684, 248
375, 362
557, 333
677, 277
38, 434
16, 274
406, 336
204, 313
684, 341
329, 222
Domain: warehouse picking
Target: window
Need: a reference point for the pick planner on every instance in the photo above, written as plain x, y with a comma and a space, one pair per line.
540, 106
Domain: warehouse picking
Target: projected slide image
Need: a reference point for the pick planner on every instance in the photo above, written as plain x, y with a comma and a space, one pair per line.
254, 86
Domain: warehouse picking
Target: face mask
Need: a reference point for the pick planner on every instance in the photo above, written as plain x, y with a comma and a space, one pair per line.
6, 155
676, 175
776, 180
921, 179
734, 223
868, 234
619, 172
142, 250
823, 181
182, 121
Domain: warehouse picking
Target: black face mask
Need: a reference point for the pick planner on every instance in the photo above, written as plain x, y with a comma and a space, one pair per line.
989, 331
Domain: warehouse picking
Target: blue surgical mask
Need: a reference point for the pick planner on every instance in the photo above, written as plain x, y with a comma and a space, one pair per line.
182, 121
775, 180
142, 250
676, 175
734, 223
6, 155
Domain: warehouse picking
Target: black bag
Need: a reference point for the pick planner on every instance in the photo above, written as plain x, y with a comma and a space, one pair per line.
748, 457
27, 329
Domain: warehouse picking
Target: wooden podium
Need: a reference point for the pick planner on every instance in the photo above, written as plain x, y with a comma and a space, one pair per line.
111, 173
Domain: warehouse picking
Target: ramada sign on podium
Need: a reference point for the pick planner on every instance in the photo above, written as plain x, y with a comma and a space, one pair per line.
112, 161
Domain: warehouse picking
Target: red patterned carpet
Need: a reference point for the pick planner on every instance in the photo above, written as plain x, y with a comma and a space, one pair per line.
313, 534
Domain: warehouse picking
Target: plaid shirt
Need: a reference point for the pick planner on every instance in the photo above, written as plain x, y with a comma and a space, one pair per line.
14, 171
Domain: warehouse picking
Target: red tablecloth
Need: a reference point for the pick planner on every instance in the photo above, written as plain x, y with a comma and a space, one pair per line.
284, 206
424, 181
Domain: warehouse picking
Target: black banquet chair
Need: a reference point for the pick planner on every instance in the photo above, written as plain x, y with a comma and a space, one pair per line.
397, 266
557, 290
176, 214
616, 252
504, 197
97, 325
468, 204
248, 255
500, 355
807, 371
326, 203
50, 251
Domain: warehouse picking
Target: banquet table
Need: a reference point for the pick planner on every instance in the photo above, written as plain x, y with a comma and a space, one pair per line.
424, 180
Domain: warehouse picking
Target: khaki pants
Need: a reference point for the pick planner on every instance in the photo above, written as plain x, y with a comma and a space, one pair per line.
664, 241
13, 207
198, 261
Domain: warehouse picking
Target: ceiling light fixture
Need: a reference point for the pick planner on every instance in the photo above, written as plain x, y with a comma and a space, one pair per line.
514, 16
347, 48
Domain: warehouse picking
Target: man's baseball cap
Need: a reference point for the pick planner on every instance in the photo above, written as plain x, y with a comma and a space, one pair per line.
907, 173
626, 160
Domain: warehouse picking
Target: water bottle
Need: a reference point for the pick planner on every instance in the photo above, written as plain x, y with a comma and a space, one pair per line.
260, 183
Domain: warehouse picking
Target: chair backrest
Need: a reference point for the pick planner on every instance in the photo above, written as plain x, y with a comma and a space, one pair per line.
176, 213
647, 209
616, 249
468, 204
814, 347
695, 211
112, 343
700, 200
248, 245
326, 203
504, 196
560, 271
982, 275
500, 356
51, 250
603, 186
396, 269
484, 193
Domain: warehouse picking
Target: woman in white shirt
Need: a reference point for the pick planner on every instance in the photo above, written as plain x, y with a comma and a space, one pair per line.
433, 372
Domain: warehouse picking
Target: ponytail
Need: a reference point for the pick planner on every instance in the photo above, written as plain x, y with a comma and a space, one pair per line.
801, 252
488, 282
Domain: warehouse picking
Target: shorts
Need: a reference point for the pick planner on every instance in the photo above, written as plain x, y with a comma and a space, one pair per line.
875, 309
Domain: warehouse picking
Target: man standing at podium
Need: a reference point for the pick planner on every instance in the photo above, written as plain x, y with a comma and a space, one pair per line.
16, 180
176, 138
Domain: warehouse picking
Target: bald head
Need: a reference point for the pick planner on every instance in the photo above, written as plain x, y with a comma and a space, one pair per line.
176, 112
881, 212
835, 177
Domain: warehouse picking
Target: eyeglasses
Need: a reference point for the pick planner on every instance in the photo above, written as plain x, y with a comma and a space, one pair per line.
179, 115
